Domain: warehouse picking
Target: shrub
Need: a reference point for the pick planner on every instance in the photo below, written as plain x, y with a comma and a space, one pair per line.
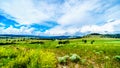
97, 52
75, 58
63, 60
117, 57
58, 46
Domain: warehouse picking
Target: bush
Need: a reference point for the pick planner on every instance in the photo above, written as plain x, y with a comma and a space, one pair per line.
58, 46
75, 58
117, 57
63, 60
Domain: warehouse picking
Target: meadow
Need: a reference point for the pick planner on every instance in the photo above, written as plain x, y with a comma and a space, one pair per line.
69, 53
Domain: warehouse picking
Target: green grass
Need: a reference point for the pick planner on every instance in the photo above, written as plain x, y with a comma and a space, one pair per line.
100, 54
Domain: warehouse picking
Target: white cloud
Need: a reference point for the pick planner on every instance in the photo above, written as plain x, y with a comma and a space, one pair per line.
58, 30
107, 27
37, 11
86, 16
23, 30
113, 12
73, 16
2, 25
12, 30
24, 11
77, 13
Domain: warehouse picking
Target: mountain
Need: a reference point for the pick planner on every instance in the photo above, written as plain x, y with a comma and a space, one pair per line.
97, 35
37, 37
92, 35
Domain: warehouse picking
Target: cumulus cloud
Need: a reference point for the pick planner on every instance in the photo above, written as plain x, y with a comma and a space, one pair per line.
12, 30
58, 30
73, 16
87, 16
108, 27
37, 11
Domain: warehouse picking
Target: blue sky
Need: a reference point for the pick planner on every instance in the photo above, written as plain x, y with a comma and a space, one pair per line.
59, 17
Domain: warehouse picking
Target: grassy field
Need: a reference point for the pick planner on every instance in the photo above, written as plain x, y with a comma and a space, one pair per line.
26, 53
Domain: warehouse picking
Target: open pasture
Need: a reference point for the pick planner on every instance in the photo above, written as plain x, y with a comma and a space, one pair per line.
70, 53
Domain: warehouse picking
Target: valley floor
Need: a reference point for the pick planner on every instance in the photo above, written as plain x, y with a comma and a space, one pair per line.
71, 53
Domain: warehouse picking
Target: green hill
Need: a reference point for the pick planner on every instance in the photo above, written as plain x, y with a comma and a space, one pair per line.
97, 35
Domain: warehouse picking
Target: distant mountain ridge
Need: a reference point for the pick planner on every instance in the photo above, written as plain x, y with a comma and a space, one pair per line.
62, 37
37, 37
102, 35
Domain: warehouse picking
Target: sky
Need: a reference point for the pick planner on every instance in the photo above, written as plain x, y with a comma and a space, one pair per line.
59, 17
